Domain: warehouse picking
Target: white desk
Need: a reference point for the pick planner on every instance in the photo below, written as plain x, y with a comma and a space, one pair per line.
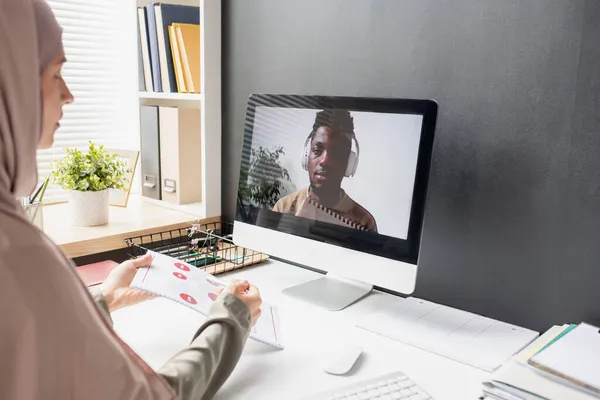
159, 328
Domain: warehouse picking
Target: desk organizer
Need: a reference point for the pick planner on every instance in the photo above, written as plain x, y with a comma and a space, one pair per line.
35, 213
206, 246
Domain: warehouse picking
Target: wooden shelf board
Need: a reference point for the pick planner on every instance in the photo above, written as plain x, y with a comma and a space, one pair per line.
138, 218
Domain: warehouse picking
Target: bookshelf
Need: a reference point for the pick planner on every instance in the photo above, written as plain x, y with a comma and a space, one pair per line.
208, 102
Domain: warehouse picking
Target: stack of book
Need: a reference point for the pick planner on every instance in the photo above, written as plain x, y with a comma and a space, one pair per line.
563, 364
169, 48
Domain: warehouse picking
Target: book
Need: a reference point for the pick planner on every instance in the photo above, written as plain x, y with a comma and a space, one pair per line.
141, 79
573, 358
188, 36
144, 48
189, 286
312, 210
179, 76
153, 47
166, 15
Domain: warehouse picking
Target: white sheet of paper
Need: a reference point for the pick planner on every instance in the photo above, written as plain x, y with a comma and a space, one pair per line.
459, 335
194, 288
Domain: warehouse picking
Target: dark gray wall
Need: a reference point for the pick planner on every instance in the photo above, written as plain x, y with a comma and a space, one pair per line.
512, 225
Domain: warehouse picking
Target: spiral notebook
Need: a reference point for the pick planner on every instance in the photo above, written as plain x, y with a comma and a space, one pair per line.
312, 210
187, 285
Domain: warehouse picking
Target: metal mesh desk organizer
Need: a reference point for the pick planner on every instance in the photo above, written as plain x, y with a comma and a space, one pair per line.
206, 246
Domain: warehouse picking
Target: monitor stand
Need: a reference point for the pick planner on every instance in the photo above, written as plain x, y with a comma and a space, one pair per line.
330, 292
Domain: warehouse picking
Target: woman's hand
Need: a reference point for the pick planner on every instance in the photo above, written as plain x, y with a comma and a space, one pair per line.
248, 293
115, 288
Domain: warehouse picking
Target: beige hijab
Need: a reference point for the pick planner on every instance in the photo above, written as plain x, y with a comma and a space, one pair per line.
54, 342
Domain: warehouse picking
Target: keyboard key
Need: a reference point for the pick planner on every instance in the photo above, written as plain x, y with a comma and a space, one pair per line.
394, 386
405, 384
383, 389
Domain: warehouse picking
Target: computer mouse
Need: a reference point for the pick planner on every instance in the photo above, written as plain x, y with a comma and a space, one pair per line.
340, 360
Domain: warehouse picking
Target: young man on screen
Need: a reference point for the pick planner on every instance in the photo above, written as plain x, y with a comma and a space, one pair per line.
327, 154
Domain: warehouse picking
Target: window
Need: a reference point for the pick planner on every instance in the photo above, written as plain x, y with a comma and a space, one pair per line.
101, 70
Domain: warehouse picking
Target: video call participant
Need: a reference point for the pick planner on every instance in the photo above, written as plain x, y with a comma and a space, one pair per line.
328, 158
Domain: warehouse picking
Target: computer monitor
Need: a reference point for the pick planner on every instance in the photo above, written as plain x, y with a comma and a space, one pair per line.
338, 185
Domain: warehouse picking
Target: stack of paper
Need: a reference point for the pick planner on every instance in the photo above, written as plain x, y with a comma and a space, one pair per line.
562, 364
194, 288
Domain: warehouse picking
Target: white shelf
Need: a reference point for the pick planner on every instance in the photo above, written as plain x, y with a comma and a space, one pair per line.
193, 209
208, 102
184, 100
196, 3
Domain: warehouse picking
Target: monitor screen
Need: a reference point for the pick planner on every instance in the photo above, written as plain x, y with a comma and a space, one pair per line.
345, 171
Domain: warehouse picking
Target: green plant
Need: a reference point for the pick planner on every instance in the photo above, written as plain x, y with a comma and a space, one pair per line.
90, 172
261, 182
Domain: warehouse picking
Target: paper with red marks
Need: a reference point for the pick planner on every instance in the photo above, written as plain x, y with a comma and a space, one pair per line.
194, 288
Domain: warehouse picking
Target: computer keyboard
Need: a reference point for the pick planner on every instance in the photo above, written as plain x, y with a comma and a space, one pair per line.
391, 386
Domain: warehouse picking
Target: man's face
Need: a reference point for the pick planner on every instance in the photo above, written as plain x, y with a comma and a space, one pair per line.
55, 94
327, 159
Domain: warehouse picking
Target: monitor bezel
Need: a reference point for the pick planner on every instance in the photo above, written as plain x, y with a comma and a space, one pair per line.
404, 250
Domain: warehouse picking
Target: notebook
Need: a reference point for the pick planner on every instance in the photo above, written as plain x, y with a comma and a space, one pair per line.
517, 378
187, 285
573, 358
94, 274
312, 210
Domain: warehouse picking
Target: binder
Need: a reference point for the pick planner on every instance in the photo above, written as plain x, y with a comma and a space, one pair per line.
150, 152
180, 155
166, 15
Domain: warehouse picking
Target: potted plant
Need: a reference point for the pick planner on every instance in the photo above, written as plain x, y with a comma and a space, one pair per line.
88, 177
262, 181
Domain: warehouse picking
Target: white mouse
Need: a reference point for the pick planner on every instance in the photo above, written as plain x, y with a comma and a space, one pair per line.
340, 360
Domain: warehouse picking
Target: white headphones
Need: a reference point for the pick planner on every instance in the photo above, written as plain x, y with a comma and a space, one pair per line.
352, 158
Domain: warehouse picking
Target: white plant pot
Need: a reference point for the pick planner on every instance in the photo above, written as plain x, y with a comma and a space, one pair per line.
89, 208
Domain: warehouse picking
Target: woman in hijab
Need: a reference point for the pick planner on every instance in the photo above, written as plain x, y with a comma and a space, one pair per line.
56, 340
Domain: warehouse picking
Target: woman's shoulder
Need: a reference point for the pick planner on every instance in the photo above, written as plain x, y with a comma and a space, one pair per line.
19, 238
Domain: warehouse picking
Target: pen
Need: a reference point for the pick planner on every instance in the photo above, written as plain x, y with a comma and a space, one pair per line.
37, 192
44, 186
